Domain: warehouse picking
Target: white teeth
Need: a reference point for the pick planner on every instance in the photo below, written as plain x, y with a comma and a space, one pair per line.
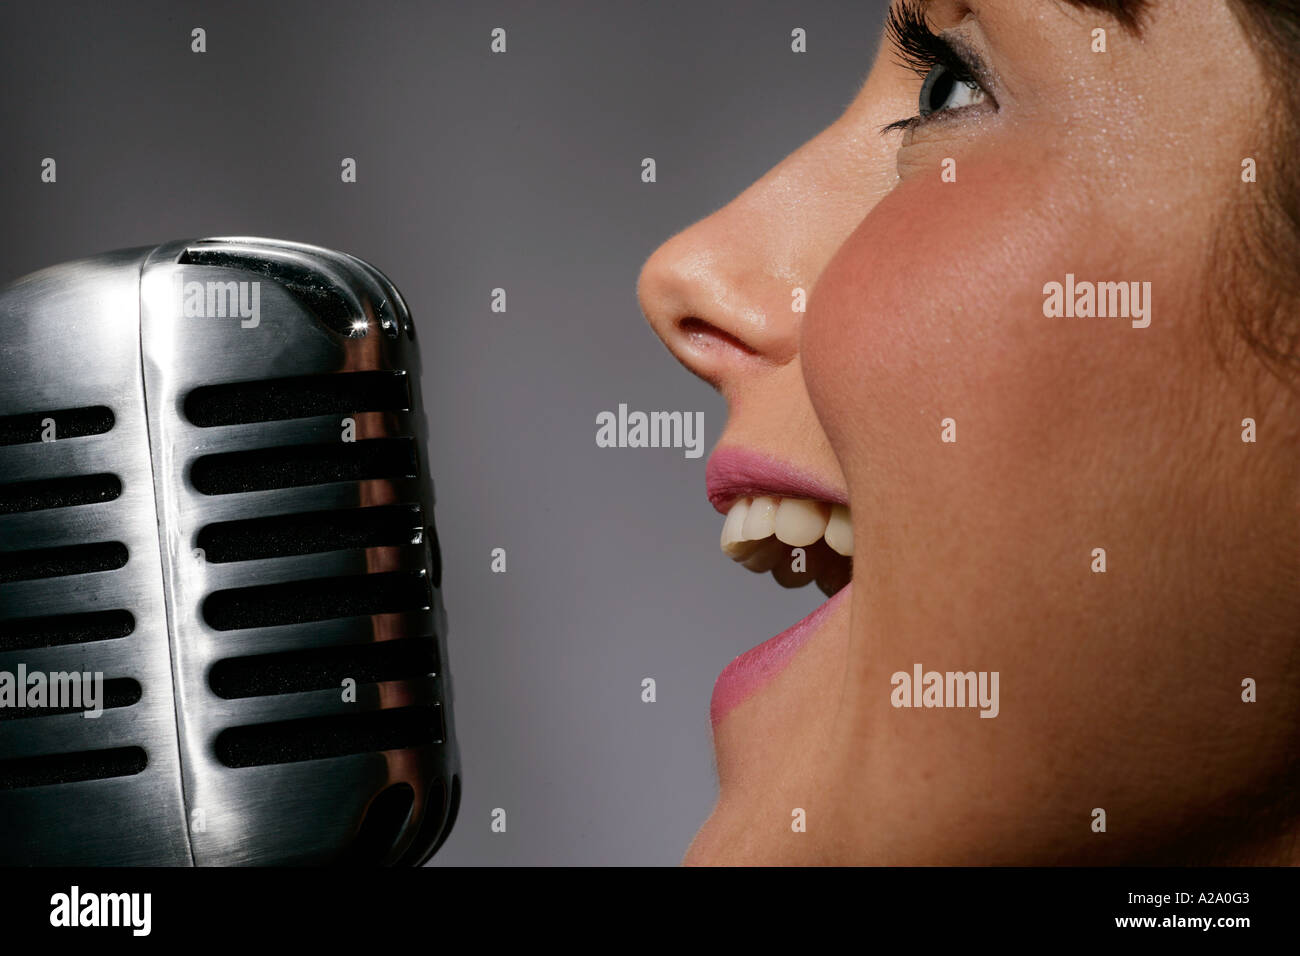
733, 538
760, 521
800, 522
839, 531
757, 530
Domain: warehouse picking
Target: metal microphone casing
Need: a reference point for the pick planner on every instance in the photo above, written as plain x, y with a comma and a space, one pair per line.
215, 490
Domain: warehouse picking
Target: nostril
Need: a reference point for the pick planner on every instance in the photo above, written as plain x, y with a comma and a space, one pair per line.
703, 335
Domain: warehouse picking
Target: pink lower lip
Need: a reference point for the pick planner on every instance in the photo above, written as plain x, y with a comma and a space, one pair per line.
758, 665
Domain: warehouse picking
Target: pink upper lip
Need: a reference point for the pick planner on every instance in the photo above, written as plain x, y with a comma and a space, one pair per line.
738, 473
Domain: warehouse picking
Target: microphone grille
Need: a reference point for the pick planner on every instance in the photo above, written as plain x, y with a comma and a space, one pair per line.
230, 517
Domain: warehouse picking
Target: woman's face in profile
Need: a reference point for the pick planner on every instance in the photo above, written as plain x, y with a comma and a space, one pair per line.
1019, 368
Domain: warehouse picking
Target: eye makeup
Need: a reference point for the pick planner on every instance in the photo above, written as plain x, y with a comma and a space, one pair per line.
944, 62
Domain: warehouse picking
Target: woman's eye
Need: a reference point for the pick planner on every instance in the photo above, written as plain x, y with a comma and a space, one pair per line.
945, 90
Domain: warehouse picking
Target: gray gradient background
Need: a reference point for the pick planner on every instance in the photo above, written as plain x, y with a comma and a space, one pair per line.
476, 171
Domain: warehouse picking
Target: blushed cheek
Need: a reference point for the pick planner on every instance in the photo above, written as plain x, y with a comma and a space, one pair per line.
937, 298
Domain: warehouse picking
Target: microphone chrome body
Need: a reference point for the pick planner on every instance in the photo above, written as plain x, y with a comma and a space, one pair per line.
215, 492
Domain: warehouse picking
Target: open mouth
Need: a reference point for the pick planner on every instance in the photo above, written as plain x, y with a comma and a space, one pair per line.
799, 540
781, 520
795, 526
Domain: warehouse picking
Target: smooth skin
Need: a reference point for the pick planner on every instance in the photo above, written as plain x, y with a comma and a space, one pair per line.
1119, 690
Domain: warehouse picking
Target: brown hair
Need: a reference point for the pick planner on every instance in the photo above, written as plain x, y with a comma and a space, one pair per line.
1263, 255
1272, 238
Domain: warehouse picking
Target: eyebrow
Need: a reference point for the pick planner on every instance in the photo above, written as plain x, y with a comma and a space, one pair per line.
1128, 13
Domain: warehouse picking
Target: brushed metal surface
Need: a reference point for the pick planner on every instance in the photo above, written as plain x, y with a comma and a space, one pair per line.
112, 331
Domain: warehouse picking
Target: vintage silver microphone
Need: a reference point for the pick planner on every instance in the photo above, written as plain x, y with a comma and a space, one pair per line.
215, 493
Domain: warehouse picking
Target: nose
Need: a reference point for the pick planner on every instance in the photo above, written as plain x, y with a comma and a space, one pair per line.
719, 295
726, 294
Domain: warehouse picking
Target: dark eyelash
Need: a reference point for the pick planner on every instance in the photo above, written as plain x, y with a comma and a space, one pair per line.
920, 49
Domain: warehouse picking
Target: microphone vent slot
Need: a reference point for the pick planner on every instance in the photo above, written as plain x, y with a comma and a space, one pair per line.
317, 738
311, 533
317, 599
339, 393
23, 496
68, 423
56, 630
294, 466
71, 768
118, 692
292, 672
39, 563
